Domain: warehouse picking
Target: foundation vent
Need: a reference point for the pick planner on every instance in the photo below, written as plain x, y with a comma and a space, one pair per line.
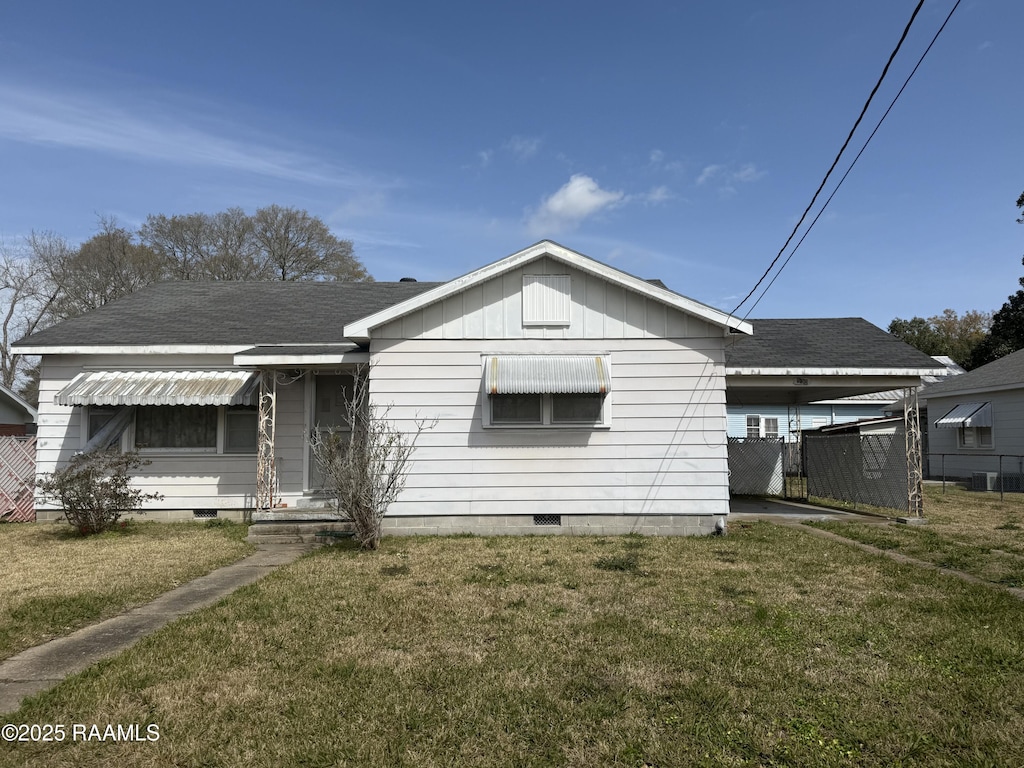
547, 519
204, 514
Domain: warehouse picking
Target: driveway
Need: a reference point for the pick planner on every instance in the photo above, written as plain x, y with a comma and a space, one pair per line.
783, 511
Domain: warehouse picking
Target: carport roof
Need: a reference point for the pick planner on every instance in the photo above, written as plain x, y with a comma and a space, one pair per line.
803, 360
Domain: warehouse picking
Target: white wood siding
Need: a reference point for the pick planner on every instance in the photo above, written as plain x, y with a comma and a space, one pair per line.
187, 481
665, 452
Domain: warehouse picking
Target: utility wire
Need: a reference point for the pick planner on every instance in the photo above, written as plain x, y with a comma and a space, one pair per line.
835, 162
855, 159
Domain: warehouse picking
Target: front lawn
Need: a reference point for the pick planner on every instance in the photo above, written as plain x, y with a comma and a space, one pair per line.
53, 581
966, 530
766, 647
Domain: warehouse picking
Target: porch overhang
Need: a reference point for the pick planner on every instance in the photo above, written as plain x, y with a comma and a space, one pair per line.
300, 356
798, 386
149, 387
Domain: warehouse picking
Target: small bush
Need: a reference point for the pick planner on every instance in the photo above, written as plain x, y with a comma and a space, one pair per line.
94, 489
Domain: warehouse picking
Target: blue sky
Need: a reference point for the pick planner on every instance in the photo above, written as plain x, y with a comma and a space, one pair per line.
678, 140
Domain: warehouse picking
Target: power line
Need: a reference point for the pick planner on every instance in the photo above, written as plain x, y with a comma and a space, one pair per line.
835, 162
855, 159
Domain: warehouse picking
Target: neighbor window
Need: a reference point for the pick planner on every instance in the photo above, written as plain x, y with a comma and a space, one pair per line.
753, 427
771, 427
975, 437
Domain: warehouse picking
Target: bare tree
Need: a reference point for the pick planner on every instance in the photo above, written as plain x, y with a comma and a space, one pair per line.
27, 294
298, 246
275, 243
203, 246
365, 463
107, 266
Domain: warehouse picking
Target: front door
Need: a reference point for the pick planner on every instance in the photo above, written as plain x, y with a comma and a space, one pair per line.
327, 412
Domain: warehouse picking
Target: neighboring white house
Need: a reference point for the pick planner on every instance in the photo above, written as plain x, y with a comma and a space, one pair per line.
974, 419
567, 395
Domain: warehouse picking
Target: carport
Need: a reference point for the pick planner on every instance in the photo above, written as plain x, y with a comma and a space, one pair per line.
793, 362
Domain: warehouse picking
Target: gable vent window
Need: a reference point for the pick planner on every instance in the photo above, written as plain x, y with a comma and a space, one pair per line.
546, 300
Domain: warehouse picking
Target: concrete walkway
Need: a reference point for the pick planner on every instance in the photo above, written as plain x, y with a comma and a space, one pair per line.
39, 668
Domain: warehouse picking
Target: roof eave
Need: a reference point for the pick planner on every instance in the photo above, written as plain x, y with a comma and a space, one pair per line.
133, 349
835, 371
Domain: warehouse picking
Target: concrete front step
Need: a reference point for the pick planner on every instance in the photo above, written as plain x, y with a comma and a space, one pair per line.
295, 531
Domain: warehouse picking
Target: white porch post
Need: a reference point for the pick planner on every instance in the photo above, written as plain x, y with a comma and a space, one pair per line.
915, 474
266, 475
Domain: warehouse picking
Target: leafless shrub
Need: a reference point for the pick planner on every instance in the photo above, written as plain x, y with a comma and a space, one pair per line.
365, 462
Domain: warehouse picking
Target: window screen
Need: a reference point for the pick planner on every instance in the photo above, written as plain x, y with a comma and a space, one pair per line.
176, 426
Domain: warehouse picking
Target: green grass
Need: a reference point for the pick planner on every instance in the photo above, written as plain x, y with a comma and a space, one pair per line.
767, 647
53, 581
968, 531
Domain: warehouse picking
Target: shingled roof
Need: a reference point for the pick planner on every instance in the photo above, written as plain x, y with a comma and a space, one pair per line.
228, 313
825, 343
1004, 373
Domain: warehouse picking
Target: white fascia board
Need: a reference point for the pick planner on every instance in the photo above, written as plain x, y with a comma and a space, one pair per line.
807, 372
255, 361
137, 349
359, 330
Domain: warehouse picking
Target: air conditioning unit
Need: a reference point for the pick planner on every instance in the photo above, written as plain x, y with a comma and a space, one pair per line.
985, 481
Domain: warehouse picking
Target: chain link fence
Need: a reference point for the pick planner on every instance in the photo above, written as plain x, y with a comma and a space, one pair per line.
1001, 473
862, 470
851, 469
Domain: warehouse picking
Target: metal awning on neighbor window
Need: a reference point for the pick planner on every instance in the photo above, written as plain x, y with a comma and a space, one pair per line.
547, 374
967, 415
161, 388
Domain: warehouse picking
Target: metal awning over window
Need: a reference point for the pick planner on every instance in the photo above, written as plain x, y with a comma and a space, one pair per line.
967, 415
547, 374
161, 388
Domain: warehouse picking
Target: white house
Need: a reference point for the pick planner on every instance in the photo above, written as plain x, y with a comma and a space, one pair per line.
568, 396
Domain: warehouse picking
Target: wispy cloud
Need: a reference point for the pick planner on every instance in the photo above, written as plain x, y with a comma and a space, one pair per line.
657, 160
747, 174
522, 147
103, 124
657, 195
709, 172
579, 198
726, 178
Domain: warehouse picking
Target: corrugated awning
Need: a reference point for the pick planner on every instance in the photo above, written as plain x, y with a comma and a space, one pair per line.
967, 415
547, 374
161, 388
